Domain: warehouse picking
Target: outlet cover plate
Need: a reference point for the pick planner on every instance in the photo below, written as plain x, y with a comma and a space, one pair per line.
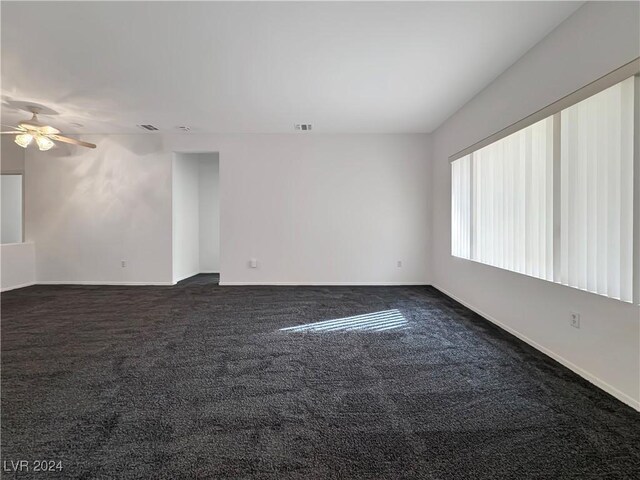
574, 320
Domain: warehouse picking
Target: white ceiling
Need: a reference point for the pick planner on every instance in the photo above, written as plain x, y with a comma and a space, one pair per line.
261, 67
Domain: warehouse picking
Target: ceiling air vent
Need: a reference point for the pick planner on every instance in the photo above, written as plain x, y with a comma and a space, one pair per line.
151, 128
303, 127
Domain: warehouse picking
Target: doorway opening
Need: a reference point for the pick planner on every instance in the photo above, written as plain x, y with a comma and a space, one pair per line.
196, 217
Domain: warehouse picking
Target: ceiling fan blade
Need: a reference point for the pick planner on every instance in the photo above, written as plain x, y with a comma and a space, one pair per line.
10, 133
72, 141
48, 130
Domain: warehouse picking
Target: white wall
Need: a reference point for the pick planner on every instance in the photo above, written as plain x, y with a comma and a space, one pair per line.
209, 189
606, 349
11, 193
332, 209
11, 162
11, 155
186, 216
89, 210
320, 209
17, 266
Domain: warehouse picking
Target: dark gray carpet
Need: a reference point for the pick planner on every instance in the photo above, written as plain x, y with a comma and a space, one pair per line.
198, 381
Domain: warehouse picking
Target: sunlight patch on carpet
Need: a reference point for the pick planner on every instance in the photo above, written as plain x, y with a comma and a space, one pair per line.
376, 322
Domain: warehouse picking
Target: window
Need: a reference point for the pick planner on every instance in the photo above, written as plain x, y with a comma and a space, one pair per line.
461, 207
512, 216
597, 193
554, 199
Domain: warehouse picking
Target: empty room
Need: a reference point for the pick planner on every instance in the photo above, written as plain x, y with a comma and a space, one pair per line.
320, 240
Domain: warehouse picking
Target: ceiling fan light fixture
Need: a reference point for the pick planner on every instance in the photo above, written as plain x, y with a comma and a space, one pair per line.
44, 143
24, 139
44, 135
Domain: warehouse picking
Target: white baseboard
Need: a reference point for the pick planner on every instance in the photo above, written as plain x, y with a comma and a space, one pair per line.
623, 397
323, 284
105, 283
15, 287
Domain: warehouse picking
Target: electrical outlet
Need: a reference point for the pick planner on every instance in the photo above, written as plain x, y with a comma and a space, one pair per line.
253, 263
574, 320
123, 264
399, 264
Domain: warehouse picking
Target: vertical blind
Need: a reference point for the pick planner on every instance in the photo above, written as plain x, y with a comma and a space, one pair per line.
505, 197
512, 211
461, 207
597, 193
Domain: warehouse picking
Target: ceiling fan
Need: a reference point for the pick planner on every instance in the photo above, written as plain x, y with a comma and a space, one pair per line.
44, 135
